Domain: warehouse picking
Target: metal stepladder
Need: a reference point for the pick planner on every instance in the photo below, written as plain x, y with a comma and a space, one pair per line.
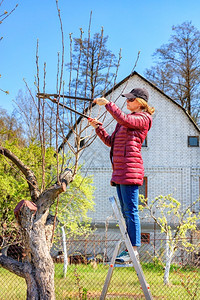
133, 257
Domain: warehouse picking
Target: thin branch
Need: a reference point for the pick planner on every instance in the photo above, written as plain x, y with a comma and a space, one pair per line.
99, 55
1, 2
57, 77
7, 15
59, 87
70, 72
47, 198
6, 92
88, 49
63, 47
57, 116
43, 148
54, 221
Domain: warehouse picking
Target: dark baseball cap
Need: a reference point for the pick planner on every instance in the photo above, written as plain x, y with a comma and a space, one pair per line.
137, 93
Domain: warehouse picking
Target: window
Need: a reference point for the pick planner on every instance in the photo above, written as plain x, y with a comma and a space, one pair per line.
145, 238
193, 141
144, 144
82, 142
143, 190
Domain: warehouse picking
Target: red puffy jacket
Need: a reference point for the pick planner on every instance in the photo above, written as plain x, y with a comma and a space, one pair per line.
126, 142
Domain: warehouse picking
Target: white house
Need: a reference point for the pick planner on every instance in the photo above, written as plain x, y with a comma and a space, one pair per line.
171, 154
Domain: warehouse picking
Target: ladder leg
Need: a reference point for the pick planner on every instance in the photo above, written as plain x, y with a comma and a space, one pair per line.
110, 271
134, 259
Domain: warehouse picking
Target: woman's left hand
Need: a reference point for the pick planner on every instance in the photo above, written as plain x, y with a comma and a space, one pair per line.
93, 122
101, 101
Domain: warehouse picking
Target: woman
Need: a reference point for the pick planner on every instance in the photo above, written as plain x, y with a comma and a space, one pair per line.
126, 142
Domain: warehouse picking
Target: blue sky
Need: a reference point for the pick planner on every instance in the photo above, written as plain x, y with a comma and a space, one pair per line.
131, 25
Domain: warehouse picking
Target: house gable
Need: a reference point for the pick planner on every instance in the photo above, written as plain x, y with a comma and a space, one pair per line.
170, 165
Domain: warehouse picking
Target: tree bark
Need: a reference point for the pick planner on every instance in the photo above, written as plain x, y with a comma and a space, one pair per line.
167, 268
169, 256
41, 282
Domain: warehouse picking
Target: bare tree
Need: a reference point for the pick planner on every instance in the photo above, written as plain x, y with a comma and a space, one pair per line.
93, 63
177, 68
11, 128
28, 115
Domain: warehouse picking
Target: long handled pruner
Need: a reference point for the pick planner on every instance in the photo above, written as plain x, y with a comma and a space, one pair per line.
42, 95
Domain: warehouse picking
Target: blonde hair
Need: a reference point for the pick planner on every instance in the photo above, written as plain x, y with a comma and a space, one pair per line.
145, 106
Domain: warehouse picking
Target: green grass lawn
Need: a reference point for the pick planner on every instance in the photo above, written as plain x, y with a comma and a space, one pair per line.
125, 284
11, 286
86, 282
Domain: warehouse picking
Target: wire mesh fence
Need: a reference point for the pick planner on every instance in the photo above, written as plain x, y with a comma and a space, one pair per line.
83, 274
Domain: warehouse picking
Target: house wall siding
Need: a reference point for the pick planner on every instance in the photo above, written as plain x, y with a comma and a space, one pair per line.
176, 181
170, 165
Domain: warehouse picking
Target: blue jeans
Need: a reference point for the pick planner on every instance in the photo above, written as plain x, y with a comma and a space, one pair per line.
128, 198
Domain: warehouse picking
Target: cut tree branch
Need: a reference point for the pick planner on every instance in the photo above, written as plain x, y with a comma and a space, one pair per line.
47, 198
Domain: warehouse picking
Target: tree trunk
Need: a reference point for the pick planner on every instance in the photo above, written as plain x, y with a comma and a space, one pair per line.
40, 280
169, 256
36, 227
39, 272
167, 268
38, 267
42, 262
